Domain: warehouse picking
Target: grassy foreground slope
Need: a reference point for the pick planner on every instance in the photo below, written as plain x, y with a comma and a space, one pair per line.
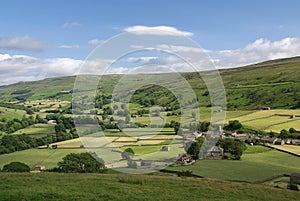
46, 186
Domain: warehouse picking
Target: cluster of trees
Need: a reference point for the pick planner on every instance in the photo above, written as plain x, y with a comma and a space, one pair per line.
193, 148
12, 143
200, 126
101, 100
285, 134
10, 126
64, 130
141, 112
233, 148
80, 163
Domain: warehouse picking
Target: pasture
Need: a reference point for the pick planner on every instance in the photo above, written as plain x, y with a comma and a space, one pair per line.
47, 157
10, 114
252, 167
86, 187
37, 130
266, 120
270, 120
290, 148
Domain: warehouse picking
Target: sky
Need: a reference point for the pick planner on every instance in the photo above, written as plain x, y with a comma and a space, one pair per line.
41, 39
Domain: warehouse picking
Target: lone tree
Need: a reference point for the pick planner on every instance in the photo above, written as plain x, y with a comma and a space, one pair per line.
127, 154
193, 148
233, 125
81, 163
235, 147
16, 167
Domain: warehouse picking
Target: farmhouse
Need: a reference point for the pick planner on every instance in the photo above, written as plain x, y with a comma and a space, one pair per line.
185, 158
214, 152
39, 167
267, 140
296, 142
278, 141
243, 137
51, 122
295, 178
165, 148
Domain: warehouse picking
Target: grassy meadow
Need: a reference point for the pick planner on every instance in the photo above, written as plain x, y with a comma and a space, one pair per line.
50, 186
252, 167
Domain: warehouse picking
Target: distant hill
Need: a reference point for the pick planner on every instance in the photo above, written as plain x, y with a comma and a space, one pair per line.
273, 84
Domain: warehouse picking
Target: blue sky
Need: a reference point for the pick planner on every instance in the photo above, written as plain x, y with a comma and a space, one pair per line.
69, 30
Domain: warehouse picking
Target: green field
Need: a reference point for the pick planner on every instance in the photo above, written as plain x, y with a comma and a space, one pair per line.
269, 120
256, 149
37, 130
266, 120
290, 148
47, 157
81, 187
10, 114
251, 167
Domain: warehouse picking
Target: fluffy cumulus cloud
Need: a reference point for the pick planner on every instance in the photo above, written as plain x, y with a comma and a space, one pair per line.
157, 30
258, 51
24, 43
17, 68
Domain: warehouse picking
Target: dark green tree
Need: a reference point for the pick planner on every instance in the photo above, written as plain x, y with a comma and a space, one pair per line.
16, 167
81, 163
233, 125
127, 153
283, 134
193, 148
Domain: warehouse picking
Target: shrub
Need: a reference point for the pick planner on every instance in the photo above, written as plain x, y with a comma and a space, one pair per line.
185, 173
16, 167
293, 187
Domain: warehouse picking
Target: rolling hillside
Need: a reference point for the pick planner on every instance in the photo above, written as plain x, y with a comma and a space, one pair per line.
269, 84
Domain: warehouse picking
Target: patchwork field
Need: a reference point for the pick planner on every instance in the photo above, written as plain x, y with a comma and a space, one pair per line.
266, 120
270, 120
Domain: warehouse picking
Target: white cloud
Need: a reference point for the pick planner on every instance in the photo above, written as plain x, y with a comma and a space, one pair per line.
258, 51
179, 48
68, 46
17, 68
24, 43
141, 59
95, 42
69, 25
157, 30
14, 68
